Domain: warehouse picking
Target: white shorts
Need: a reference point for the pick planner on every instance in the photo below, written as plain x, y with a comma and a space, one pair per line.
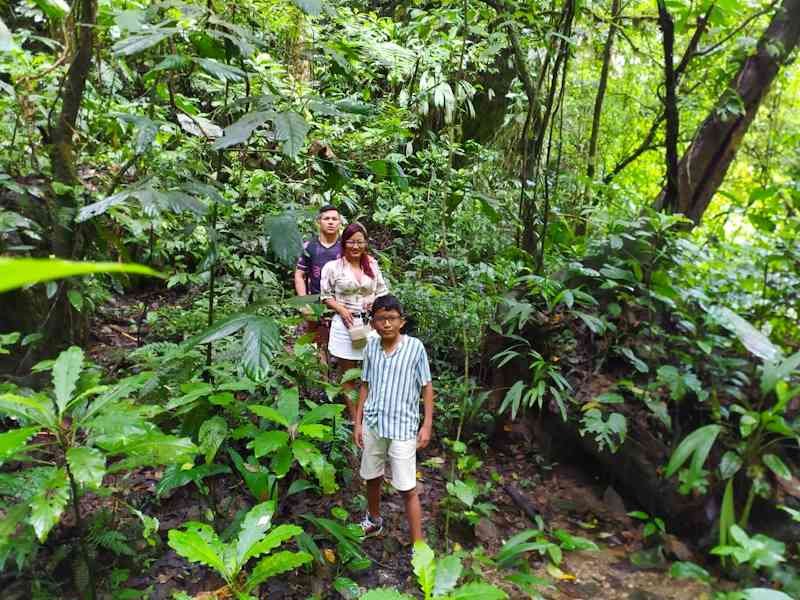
402, 459
339, 343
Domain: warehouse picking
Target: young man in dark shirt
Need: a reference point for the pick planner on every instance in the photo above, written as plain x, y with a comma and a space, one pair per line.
316, 253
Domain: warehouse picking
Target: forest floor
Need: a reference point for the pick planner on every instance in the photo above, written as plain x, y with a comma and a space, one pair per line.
567, 496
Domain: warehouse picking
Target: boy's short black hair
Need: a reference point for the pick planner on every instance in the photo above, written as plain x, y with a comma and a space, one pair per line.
326, 208
387, 302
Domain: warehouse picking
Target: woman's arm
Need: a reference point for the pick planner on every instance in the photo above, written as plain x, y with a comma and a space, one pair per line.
341, 309
380, 283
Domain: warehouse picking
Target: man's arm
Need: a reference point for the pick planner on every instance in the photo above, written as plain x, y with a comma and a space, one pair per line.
358, 426
300, 282
425, 432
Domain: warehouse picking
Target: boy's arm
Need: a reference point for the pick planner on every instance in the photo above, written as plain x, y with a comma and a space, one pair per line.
358, 428
425, 432
300, 282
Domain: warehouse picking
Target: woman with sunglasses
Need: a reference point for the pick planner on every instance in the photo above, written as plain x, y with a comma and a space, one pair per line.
349, 286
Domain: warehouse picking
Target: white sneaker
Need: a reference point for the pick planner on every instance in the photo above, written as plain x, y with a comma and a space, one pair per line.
371, 528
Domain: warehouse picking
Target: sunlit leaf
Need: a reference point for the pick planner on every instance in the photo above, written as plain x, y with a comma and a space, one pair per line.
66, 371
285, 239
88, 465
55, 9
48, 504
291, 129
260, 343
240, 131
18, 272
12, 442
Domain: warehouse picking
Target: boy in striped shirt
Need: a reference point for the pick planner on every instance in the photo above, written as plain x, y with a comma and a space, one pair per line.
394, 375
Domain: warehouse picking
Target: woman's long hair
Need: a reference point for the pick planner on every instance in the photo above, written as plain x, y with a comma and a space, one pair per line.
366, 259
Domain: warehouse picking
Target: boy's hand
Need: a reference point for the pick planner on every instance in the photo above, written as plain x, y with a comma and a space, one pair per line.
424, 437
358, 435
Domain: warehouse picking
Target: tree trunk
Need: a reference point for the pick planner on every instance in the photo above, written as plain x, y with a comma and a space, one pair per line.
667, 27
591, 165
57, 320
703, 166
490, 108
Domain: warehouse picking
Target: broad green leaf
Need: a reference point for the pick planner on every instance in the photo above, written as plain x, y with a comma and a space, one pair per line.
199, 543
275, 565
347, 588
102, 206
66, 371
281, 461
323, 412
175, 476
697, 444
15, 440
325, 473
448, 570
240, 131
777, 466
199, 126
637, 362
219, 330
751, 338
19, 272
88, 465
689, 570
595, 324
513, 398
284, 236
220, 70
288, 404
477, 591
268, 442
466, 492
260, 342
256, 523
139, 42
385, 594
212, 433
778, 370
123, 389
291, 129
75, 298
299, 485
48, 504
424, 565
317, 431
144, 130
727, 515
269, 413
192, 391
54, 9
171, 62
256, 477
304, 452
730, 464
272, 540
156, 448
29, 408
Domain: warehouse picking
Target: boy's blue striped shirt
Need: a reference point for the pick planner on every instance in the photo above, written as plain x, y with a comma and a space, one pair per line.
395, 383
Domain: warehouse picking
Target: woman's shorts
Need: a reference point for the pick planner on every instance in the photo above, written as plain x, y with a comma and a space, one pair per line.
402, 459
